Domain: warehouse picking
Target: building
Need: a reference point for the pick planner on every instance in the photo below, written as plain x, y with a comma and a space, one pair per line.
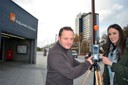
18, 29
88, 28
77, 24
84, 25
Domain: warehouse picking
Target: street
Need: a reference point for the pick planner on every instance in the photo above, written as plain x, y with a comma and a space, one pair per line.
42, 62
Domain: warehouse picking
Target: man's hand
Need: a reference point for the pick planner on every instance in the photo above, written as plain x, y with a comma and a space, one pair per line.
90, 60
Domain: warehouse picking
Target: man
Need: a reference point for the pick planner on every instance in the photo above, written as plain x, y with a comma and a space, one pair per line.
62, 67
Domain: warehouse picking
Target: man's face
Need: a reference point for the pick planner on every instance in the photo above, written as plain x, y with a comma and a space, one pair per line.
66, 39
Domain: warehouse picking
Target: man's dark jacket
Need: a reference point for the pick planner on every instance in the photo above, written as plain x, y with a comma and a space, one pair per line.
62, 68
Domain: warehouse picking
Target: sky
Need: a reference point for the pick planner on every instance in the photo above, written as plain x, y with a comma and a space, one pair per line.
55, 14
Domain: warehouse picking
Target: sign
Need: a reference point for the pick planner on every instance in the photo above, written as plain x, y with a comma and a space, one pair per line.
12, 17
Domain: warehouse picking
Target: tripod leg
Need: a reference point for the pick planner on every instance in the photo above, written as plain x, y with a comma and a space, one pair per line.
86, 77
99, 76
96, 77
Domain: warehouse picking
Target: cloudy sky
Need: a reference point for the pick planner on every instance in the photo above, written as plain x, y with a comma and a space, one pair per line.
54, 14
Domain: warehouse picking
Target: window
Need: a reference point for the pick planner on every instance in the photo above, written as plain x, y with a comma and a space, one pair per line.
22, 49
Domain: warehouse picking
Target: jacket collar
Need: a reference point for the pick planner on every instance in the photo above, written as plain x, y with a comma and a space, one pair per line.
66, 50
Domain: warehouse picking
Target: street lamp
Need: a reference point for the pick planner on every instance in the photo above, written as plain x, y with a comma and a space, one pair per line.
56, 38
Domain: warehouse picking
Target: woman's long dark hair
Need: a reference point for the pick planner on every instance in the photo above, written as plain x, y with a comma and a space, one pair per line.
121, 41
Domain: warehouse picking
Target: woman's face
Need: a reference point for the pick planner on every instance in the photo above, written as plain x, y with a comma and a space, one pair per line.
113, 35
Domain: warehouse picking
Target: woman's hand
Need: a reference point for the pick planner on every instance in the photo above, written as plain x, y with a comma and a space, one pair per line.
106, 60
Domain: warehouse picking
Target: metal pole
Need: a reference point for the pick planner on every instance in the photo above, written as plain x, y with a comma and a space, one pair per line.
55, 38
93, 32
93, 20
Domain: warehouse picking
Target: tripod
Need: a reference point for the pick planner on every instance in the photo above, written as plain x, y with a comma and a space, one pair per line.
97, 75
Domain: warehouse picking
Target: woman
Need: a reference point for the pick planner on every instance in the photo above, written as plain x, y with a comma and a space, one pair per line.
115, 57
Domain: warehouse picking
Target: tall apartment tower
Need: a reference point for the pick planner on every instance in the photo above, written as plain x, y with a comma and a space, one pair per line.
77, 24
84, 25
88, 28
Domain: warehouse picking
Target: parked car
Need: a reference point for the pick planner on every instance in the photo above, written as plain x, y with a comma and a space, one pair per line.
74, 53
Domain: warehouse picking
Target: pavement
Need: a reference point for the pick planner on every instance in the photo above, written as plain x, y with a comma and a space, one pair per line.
19, 73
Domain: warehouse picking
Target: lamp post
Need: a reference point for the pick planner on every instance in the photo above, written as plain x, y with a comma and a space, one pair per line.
93, 21
93, 30
56, 38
